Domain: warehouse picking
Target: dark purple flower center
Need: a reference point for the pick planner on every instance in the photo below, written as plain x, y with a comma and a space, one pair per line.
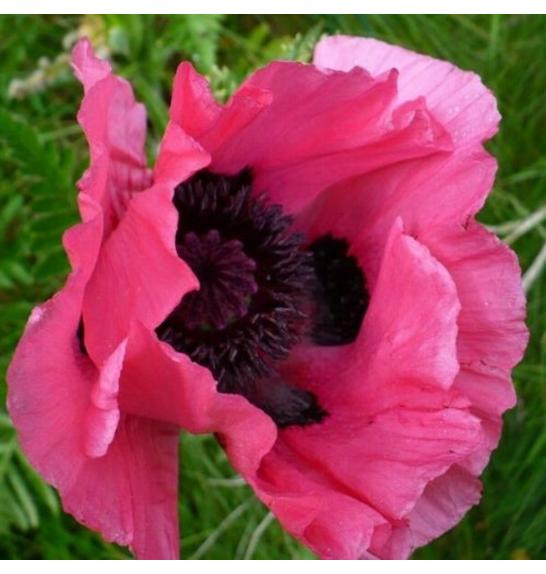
226, 277
261, 290
340, 292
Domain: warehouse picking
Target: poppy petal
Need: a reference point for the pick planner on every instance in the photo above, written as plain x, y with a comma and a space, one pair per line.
492, 331
457, 98
413, 133
116, 475
147, 285
115, 127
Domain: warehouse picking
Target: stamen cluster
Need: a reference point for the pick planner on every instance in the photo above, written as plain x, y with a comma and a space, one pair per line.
261, 290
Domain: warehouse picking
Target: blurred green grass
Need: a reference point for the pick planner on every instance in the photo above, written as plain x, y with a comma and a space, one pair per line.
42, 154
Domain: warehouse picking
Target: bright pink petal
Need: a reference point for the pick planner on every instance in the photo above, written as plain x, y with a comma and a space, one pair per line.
488, 279
335, 126
407, 345
320, 113
139, 276
115, 127
332, 522
492, 332
103, 413
49, 383
130, 495
188, 396
410, 328
195, 111
179, 157
160, 384
189, 399
386, 460
65, 409
457, 98
88, 68
241, 111
394, 425
193, 107
413, 134
484, 275
443, 504
329, 497
447, 188
406, 349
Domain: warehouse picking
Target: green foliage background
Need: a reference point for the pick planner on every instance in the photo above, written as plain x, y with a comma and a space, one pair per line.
42, 154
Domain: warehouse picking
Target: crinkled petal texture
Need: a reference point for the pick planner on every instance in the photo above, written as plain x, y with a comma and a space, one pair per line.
382, 147
115, 472
98, 410
372, 143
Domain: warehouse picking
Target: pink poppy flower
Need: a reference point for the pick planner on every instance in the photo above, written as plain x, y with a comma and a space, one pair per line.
301, 274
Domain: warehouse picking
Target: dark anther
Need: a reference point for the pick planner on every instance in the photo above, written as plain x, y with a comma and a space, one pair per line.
252, 304
284, 403
226, 277
341, 297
